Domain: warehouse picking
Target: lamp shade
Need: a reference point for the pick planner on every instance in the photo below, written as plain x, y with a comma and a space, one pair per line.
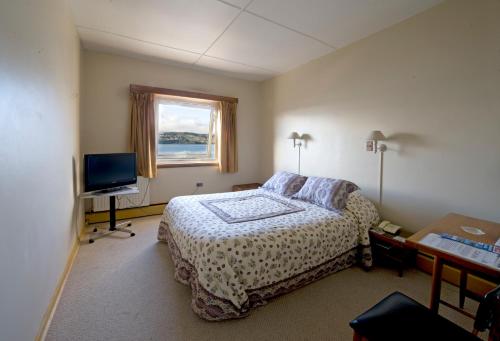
294, 135
375, 135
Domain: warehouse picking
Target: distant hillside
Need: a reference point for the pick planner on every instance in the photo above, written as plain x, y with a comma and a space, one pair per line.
182, 138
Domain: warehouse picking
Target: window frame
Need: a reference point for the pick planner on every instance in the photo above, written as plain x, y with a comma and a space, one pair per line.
166, 162
136, 88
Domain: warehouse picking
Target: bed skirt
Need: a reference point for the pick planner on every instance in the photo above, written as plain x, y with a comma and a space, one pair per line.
212, 308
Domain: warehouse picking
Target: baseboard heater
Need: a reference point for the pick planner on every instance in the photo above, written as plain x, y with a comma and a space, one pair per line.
127, 201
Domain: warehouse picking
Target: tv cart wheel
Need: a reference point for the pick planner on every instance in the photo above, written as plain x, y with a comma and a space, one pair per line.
95, 229
91, 241
132, 234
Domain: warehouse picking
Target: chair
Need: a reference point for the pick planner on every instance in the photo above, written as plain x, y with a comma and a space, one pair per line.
398, 317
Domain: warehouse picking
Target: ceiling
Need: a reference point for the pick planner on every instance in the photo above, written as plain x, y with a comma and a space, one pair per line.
248, 39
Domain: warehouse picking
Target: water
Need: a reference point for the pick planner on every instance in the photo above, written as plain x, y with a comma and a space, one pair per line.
184, 150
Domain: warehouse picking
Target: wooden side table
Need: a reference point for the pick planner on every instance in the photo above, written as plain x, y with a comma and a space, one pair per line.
246, 187
386, 246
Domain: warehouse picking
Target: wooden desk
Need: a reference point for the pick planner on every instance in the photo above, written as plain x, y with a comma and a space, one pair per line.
451, 224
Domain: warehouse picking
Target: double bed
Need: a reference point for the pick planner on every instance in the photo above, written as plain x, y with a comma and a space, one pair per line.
237, 250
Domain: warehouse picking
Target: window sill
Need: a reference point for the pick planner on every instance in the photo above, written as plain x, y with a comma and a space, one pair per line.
174, 164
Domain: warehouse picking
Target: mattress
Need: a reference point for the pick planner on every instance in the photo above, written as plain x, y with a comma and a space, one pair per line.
232, 246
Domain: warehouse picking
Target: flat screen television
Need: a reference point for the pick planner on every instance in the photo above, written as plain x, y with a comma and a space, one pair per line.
108, 171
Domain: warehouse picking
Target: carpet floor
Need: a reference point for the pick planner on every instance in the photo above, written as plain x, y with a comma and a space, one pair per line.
123, 288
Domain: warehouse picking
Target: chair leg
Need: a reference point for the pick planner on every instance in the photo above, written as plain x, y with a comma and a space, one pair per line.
494, 334
463, 288
357, 337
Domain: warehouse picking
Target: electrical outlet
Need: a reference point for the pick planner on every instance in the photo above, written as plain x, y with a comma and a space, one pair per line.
199, 184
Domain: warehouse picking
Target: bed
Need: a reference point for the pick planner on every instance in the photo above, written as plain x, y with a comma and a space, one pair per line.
237, 250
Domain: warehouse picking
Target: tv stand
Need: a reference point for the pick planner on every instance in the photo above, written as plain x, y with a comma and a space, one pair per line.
110, 190
113, 226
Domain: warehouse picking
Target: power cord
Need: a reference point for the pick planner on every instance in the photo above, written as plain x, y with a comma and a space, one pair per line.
130, 202
77, 218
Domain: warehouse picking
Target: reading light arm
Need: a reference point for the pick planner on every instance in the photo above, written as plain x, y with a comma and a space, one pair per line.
382, 149
375, 136
295, 136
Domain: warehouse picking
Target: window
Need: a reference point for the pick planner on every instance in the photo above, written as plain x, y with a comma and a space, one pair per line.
186, 130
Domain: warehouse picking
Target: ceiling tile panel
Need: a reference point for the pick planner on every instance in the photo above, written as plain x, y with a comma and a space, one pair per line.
339, 22
235, 69
237, 3
106, 42
185, 24
270, 37
253, 41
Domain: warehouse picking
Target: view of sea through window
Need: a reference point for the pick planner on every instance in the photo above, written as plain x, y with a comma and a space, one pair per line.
186, 132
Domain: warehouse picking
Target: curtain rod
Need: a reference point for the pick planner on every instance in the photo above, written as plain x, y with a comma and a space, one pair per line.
134, 88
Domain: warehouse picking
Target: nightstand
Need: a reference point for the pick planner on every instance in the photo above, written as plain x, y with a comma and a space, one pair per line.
389, 248
246, 187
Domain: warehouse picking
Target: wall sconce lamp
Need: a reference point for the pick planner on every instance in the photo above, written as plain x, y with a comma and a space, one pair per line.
372, 146
372, 141
295, 136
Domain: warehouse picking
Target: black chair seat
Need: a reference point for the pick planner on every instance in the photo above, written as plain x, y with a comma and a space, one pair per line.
398, 317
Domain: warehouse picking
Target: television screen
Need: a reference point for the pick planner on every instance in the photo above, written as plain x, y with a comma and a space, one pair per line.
104, 171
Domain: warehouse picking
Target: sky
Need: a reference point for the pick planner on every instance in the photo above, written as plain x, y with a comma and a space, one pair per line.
178, 118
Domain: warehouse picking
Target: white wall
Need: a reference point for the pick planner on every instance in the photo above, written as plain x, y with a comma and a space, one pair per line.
106, 118
39, 85
431, 84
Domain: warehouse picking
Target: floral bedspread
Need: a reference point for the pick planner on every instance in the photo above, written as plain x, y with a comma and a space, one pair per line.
231, 258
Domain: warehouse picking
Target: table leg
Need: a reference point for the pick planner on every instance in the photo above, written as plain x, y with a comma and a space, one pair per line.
463, 288
436, 284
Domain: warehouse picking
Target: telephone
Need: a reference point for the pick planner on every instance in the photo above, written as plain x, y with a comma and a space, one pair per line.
388, 227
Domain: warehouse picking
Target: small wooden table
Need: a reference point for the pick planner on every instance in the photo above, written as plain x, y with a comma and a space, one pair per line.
451, 224
389, 246
246, 187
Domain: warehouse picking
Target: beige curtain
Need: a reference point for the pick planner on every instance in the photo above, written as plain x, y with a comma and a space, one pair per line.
228, 158
143, 134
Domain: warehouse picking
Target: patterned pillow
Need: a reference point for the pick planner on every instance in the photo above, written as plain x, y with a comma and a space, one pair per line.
285, 183
329, 193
